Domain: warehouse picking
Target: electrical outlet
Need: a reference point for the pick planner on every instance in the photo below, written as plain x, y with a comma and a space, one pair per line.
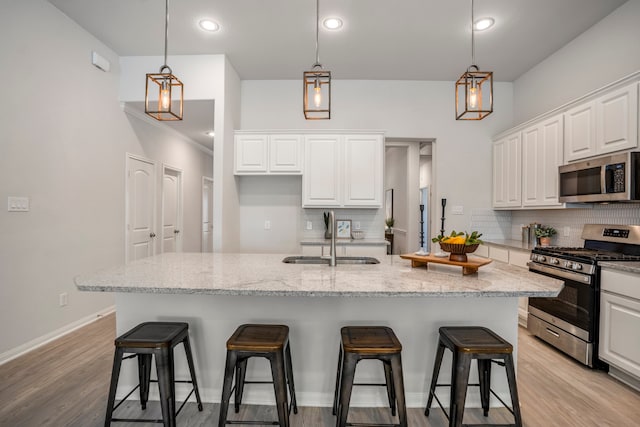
267, 224
457, 210
63, 299
17, 204
309, 225
566, 231
356, 225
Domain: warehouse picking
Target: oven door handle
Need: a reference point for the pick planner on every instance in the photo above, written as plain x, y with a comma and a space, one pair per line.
570, 275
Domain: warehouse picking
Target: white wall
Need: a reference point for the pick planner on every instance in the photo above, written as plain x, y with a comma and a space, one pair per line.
165, 148
403, 109
606, 52
63, 139
204, 77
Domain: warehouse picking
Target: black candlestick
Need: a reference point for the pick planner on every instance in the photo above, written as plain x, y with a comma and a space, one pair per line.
444, 203
421, 226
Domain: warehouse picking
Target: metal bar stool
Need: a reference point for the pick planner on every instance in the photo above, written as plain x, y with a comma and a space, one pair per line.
272, 343
145, 341
467, 343
369, 342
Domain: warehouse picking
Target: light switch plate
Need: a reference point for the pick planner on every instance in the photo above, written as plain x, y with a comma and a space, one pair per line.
457, 210
267, 225
309, 225
17, 204
356, 225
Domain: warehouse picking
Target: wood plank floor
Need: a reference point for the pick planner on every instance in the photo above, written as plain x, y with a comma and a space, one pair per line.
65, 383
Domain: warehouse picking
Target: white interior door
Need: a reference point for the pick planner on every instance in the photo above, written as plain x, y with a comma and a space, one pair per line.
171, 209
207, 214
140, 191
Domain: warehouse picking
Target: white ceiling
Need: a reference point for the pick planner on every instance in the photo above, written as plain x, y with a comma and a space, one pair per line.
381, 39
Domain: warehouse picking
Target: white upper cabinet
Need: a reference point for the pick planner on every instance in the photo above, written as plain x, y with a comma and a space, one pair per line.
268, 154
580, 132
322, 171
507, 172
617, 120
343, 171
604, 125
285, 154
363, 170
541, 156
251, 153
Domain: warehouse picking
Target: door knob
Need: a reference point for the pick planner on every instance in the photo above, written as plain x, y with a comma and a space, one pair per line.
152, 235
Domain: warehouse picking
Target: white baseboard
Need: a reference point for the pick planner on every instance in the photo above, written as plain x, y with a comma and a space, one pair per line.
47, 338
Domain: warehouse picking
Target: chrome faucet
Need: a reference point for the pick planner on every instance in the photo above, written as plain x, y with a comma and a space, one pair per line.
332, 248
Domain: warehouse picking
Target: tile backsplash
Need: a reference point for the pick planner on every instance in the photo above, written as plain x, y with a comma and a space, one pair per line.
508, 224
371, 221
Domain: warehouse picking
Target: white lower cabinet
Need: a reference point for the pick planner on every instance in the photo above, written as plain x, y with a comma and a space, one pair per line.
516, 257
620, 321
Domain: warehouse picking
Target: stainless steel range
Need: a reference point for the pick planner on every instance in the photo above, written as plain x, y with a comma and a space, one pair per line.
570, 321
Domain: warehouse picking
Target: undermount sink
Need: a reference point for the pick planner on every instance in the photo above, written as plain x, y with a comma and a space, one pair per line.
321, 260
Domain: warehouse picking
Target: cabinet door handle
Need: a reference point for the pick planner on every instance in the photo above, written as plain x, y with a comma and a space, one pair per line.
555, 334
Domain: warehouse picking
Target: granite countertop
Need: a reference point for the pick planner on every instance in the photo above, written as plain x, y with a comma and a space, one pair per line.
509, 244
344, 242
630, 266
267, 275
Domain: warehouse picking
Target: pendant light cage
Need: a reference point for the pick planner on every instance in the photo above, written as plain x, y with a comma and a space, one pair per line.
474, 89
317, 85
317, 95
474, 94
163, 98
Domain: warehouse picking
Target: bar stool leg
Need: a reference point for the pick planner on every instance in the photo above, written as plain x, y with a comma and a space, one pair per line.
336, 394
513, 389
279, 380
398, 379
144, 378
434, 376
388, 379
292, 387
164, 369
349, 362
484, 377
461, 367
192, 371
241, 373
229, 368
115, 373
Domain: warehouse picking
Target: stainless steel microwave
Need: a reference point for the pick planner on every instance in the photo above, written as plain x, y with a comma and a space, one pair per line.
613, 178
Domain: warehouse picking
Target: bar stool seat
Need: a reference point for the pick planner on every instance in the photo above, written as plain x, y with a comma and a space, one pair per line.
369, 342
259, 340
145, 341
467, 343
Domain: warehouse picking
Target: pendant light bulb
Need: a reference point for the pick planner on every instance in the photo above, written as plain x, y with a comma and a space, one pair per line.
317, 95
473, 95
165, 96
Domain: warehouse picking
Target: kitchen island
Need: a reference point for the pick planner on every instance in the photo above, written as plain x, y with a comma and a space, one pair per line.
217, 292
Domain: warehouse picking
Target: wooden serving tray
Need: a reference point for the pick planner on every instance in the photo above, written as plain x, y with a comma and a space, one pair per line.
469, 267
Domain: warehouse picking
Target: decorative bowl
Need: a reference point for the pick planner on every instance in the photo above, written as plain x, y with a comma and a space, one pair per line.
458, 251
357, 234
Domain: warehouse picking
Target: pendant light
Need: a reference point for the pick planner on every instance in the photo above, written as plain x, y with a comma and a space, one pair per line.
163, 93
474, 89
317, 85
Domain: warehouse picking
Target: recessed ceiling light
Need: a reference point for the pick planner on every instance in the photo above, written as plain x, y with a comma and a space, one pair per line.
210, 134
209, 25
332, 23
483, 24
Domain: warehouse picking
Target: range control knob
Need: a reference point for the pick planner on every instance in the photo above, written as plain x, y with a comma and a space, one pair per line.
576, 266
542, 258
568, 264
554, 261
